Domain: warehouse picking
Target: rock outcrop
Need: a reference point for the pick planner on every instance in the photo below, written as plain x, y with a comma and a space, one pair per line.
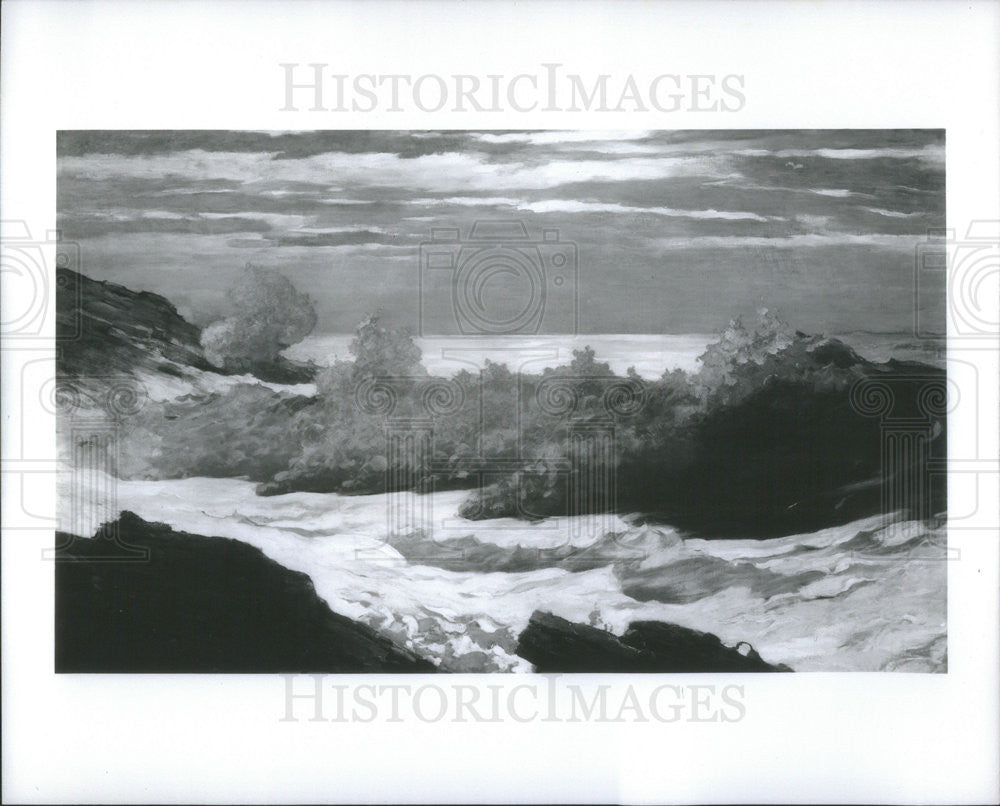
554, 644
104, 329
200, 604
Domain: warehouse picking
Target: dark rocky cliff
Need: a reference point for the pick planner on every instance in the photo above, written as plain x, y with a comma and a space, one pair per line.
104, 330
200, 604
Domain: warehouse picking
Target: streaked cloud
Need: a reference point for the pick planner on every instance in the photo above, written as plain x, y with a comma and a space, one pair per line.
675, 231
573, 206
835, 193
928, 153
808, 241
891, 213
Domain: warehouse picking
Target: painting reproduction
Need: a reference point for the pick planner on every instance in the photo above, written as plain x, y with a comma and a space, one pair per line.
501, 401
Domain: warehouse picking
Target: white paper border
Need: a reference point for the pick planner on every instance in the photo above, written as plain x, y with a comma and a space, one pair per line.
808, 738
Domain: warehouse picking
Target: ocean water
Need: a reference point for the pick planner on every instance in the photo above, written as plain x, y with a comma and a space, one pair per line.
865, 596
650, 354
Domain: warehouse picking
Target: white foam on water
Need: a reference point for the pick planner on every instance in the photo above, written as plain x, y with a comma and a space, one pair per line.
830, 600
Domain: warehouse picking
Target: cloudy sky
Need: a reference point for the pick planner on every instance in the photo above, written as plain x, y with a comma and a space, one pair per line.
676, 232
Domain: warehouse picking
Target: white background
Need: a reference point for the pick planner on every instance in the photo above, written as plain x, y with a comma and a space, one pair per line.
811, 737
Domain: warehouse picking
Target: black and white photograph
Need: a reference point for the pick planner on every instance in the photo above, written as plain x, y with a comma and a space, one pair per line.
468, 401
568, 401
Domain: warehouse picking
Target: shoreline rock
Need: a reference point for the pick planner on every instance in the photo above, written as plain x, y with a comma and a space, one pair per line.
200, 604
554, 644
107, 329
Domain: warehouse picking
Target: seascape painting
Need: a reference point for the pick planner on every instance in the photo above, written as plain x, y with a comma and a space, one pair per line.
501, 401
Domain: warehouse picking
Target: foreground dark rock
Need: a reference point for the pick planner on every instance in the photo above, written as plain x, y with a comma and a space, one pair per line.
554, 644
201, 604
